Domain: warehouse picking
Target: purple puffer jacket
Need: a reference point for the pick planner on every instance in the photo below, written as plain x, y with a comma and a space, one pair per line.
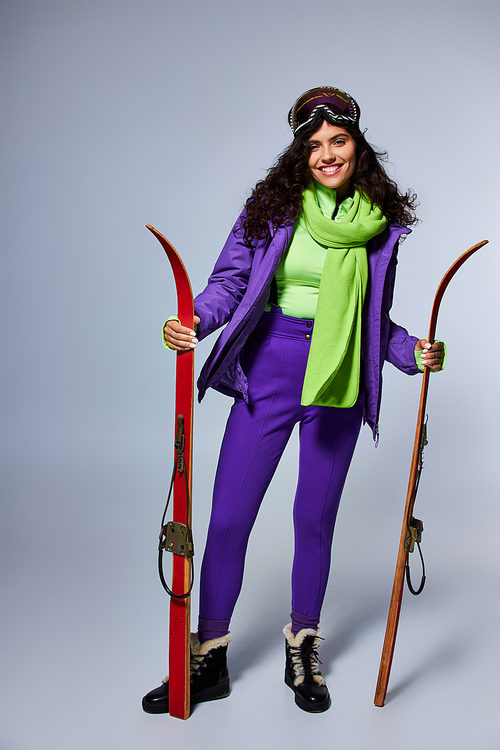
237, 293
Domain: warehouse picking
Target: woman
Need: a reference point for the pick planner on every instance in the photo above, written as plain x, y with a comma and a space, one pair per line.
305, 284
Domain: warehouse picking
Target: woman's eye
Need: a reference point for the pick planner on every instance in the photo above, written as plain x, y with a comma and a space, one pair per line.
339, 142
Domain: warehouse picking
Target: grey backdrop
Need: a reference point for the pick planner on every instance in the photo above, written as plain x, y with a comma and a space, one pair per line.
117, 114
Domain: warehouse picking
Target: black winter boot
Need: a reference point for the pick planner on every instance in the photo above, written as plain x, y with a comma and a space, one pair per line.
302, 673
209, 676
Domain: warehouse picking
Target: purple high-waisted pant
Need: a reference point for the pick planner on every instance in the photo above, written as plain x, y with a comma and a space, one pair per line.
274, 360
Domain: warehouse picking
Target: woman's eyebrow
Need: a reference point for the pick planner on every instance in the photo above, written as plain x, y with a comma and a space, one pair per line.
333, 138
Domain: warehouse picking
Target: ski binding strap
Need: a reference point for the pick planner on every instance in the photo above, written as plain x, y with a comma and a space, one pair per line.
176, 537
414, 537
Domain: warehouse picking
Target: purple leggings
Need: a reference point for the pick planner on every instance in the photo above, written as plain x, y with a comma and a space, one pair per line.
274, 360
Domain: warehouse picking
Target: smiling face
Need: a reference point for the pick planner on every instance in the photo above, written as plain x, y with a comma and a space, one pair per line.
332, 158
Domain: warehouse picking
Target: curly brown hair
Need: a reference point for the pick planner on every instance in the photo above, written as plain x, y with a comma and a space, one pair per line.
277, 199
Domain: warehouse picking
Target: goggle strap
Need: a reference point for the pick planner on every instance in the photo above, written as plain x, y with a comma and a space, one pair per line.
323, 109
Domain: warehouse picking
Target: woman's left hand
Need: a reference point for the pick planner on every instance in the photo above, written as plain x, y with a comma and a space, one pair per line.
432, 354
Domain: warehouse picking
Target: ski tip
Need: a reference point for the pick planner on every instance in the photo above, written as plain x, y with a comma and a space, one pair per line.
157, 234
475, 247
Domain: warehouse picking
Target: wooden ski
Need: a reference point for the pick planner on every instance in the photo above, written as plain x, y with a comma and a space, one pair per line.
175, 536
408, 531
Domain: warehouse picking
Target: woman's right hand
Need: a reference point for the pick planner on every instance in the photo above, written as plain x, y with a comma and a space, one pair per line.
179, 337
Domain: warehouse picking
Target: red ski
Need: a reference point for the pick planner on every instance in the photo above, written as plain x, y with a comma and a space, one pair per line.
175, 536
412, 527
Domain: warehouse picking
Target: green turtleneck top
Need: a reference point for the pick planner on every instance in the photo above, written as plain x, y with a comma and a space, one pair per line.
299, 272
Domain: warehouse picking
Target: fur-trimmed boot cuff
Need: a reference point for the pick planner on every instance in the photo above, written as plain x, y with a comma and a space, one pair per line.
200, 649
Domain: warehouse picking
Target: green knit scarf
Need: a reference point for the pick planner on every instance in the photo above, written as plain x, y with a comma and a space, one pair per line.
333, 365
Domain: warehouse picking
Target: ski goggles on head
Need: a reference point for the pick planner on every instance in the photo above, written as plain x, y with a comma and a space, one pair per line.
324, 102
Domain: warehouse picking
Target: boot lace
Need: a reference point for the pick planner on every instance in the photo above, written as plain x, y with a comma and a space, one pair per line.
198, 662
304, 658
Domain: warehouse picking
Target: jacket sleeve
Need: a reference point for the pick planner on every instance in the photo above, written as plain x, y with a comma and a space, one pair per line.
400, 350
227, 283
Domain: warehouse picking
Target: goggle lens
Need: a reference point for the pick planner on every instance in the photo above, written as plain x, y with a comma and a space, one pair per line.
339, 103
